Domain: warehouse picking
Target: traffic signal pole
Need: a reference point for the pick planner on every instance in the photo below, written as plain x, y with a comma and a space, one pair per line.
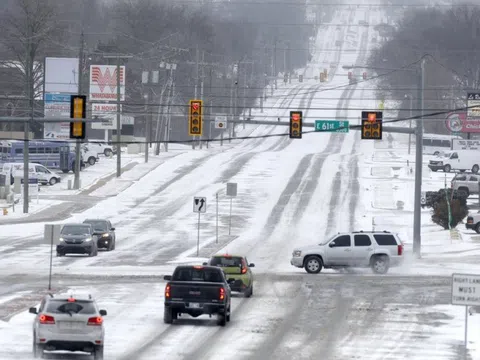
78, 142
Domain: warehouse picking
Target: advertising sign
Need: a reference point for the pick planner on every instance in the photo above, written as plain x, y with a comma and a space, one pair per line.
57, 105
458, 144
458, 122
107, 112
61, 75
103, 83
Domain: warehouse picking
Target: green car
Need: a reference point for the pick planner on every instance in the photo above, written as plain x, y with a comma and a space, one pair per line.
238, 272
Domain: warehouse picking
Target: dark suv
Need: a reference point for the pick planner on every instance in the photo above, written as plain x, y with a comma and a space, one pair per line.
105, 233
77, 239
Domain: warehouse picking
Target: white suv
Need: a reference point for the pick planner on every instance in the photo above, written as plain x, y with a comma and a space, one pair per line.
376, 249
68, 323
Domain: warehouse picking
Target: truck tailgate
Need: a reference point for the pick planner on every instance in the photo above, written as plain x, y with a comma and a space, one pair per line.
195, 291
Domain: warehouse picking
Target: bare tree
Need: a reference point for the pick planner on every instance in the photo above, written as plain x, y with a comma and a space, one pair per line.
25, 29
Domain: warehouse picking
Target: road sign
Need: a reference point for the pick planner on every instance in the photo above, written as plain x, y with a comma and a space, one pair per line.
423, 199
473, 99
200, 204
231, 189
331, 126
220, 122
466, 289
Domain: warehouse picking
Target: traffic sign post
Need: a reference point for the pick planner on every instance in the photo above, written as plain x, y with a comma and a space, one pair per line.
466, 292
199, 206
232, 192
332, 126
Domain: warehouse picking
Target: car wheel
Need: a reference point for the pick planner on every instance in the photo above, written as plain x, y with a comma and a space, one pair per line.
174, 315
477, 228
313, 264
249, 291
229, 313
107, 152
37, 349
222, 319
98, 352
114, 243
380, 264
91, 253
167, 315
447, 168
91, 161
53, 181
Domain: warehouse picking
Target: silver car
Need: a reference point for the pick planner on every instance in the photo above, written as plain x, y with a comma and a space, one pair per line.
68, 323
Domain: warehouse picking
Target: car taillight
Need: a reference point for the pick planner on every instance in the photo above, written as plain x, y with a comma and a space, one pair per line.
167, 291
400, 249
46, 319
469, 220
222, 293
95, 321
244, 270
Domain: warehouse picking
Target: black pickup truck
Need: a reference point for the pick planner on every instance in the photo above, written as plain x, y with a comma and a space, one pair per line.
197, 290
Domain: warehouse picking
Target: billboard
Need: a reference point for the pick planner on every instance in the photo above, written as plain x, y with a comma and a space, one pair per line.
61, 75
459, 123
106, 111
103, 83
57, 105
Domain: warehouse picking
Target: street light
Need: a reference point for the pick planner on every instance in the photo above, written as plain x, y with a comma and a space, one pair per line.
417, 212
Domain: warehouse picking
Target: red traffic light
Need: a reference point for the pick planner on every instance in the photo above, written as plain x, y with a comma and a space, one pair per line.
372, 117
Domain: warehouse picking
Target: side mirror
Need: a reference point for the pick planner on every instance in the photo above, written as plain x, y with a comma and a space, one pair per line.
332, 244
251, 265
103, 312
167, 277
205, 263
113, 229
32, 310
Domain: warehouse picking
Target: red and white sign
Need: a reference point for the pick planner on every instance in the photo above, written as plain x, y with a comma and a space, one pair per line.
108, 112
458, 122
103, 83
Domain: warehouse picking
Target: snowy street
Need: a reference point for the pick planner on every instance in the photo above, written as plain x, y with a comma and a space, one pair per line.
291, 193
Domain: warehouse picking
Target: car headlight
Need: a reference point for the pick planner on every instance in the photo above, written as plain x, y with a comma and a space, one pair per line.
105, 235
61, 239
297, 253
88, 239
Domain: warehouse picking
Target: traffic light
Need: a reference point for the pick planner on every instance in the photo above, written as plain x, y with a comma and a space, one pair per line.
372, 125
195, 118
78, 109
295, 124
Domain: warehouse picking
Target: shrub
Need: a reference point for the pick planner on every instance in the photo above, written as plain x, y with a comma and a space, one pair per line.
459, 210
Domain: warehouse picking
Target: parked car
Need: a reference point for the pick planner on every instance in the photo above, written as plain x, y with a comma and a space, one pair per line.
68, 323
466, 184
105, 232
101, 148
237, 268
35, 171
197, 290
462, 160
77, 239
378, 250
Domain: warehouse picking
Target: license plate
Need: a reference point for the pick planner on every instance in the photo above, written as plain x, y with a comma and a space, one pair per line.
194, 305
71, 325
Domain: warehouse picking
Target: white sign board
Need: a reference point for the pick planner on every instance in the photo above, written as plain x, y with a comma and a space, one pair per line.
103, 83
220, 122
57, 105
232, 189
466, 289
465, 144
51, 234
473, 105
200, 204
107, 112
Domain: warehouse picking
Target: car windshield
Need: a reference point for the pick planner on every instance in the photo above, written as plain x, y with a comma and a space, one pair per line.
224, 261
98, 225
75, 230
66, 307
197, 274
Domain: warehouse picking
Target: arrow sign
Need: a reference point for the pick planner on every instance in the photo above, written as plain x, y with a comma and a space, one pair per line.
199, 204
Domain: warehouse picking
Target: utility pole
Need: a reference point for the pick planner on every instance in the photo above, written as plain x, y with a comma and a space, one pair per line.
78, 142
275, 62
119, 117
417, 214
201, 90
147, 126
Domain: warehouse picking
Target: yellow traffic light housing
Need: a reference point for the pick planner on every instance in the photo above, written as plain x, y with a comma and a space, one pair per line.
78, 110
296, 124
372, 125
195, 118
